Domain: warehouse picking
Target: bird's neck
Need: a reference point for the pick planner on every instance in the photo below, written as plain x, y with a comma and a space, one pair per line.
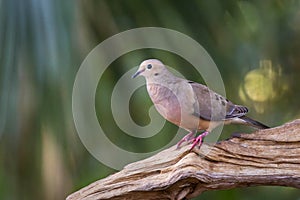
166, 78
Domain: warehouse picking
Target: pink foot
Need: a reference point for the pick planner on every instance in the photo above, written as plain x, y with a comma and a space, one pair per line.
186, 138
199, 140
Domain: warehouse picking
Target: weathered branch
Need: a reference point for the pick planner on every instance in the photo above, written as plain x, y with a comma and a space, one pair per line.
265, 157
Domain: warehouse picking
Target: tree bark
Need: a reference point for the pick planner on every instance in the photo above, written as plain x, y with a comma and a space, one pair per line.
265, 157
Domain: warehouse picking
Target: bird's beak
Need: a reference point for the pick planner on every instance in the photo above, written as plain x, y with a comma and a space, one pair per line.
138, 73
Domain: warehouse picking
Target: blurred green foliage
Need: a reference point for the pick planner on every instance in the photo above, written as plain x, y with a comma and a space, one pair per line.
255, 44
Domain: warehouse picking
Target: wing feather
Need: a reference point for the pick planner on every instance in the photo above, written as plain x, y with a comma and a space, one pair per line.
212, 106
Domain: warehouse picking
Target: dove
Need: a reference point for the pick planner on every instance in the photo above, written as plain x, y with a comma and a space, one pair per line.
190, 105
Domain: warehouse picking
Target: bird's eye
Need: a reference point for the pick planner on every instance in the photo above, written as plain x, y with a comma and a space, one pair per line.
149, 66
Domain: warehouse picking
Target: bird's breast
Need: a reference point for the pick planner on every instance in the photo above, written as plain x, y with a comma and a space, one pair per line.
165, 102
173, 106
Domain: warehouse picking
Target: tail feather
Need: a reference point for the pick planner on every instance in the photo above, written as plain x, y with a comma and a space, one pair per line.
254, 123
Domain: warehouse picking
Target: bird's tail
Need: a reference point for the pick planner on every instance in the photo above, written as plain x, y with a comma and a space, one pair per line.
252, 122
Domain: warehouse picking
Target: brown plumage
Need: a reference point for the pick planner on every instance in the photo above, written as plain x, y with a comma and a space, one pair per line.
188, 104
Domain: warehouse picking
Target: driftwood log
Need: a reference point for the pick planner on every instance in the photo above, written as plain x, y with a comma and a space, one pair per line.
265, 157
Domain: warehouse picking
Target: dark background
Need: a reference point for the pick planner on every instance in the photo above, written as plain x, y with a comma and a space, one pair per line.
255, 45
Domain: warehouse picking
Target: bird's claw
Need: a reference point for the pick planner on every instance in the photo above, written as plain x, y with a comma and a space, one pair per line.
197, 141
189, 137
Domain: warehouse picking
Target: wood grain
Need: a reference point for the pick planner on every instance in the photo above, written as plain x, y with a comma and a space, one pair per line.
265, 157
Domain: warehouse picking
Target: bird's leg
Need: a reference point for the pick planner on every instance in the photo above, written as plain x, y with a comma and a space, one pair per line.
186, 138
199, 139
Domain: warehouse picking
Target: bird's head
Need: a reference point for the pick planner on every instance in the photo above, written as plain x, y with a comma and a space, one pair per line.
150, 69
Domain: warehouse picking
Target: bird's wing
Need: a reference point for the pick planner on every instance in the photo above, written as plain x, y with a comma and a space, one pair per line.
212, 106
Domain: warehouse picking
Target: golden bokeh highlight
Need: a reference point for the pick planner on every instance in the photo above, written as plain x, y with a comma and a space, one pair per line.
261, 85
